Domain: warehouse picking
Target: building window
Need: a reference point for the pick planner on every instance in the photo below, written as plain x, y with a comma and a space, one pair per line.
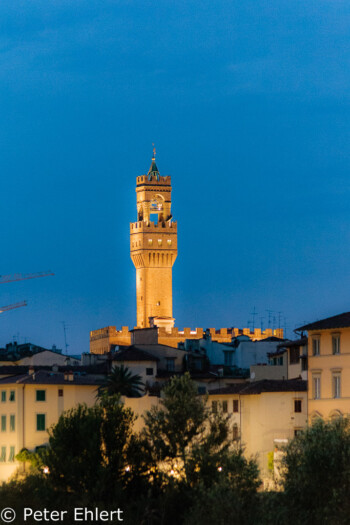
12, 395
169, 242
149, 371
316, 386
60, 392
316, 346
235, 433
3, 423
294, 354
336, 385
304, 364
150, 242
12, 422
12, 454
214, 407
228, 358
170, 364
160, 242
336, 344
41, 422
224, 406
297, 405
235, 405
41, 395
297, 431
3, 396
3, 454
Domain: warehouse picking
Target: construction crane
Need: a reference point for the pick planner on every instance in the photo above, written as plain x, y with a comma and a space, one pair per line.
12, 306
19, 277
23, 277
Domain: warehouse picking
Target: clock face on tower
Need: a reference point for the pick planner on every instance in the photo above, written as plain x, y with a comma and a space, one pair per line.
156, 205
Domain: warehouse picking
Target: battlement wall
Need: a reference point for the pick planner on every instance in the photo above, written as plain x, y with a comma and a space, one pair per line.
163, 181
101, 340
152, 227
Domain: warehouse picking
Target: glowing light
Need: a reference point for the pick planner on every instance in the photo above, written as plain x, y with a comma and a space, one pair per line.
46, 470
127, 469
220, 469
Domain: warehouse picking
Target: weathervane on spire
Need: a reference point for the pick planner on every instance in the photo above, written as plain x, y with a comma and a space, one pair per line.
154, 150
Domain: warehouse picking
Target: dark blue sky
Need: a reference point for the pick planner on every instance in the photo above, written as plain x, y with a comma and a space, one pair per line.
248, 104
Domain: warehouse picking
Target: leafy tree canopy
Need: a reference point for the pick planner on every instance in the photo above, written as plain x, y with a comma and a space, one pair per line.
317, 475
89, 448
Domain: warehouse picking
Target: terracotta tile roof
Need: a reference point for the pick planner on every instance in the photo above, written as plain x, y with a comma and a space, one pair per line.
297, 342
235, 388
133, 353
100, 369
45, 377
266, 385
337, 321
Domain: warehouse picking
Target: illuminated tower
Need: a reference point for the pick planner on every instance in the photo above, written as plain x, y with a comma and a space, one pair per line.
153, 249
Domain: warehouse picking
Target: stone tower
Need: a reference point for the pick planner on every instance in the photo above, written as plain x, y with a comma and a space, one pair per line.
153, 249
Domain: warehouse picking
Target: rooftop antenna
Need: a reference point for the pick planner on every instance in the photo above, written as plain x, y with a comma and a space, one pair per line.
65, 336
262, 323
253, 314
285, 327
279, 319
269, 312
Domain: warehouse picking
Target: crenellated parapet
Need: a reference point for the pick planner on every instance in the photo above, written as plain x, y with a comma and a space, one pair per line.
153, 227
101, 340
143, 180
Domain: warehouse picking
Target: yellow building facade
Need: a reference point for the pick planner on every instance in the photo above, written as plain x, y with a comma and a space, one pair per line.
30, 404
263, 416
329, 367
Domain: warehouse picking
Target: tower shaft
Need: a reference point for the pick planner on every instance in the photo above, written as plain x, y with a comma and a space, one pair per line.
153, 250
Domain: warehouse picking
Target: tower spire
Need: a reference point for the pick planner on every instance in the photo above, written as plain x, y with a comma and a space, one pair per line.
153, 171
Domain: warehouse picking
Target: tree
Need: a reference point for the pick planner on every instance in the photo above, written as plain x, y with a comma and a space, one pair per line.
317, 475
231, 498
122, 381
191, 456
88, 449
171, 427
36, 460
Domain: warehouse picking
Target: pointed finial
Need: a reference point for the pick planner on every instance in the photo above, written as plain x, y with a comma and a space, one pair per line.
154, 151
